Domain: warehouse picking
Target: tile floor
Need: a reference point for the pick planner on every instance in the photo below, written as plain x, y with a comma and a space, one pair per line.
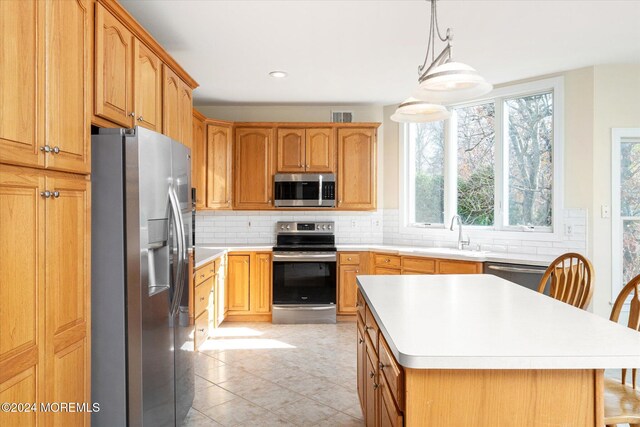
259, 374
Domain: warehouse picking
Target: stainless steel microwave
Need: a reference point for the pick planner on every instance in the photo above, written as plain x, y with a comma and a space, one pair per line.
311, 190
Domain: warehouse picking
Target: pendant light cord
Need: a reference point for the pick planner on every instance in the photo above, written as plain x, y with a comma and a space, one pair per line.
434, 29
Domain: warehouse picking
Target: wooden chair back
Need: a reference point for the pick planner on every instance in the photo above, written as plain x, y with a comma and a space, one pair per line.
570, 277
631, 290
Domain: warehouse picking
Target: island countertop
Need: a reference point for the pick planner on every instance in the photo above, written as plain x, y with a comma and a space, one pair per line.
485, 322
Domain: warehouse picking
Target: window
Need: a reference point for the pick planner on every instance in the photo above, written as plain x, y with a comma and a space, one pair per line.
492, 162
626, 207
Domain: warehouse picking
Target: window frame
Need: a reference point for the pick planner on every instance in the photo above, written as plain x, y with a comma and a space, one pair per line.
500, 229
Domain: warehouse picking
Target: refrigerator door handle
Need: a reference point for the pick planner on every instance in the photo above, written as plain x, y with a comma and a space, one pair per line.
177, 217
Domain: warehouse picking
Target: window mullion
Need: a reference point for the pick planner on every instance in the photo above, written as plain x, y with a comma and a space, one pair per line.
450, 168
501, 211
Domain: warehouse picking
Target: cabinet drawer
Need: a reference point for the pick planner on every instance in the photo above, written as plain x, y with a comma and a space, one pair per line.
203, 291
419, 265
360, 305
349, 259
384, 270
390, 415
459, 267
204, 272
371, 327
392, 372
392, 261
202, 329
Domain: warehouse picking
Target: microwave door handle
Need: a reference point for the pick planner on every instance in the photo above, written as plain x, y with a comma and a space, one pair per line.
320, 191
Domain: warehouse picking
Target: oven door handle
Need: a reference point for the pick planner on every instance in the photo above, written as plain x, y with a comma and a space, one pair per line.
305, 307
304, 257
320, 191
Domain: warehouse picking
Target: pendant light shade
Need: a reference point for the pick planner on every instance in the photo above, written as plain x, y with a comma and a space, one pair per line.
451, 82
413, 110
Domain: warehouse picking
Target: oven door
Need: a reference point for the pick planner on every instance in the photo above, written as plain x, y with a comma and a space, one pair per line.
300, 278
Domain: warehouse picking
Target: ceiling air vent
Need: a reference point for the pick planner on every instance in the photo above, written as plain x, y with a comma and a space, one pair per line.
342, 116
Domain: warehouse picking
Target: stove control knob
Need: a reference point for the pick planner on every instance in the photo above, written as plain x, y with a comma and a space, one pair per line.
324, 227
282, 227
288, 227
329, 227
318, 226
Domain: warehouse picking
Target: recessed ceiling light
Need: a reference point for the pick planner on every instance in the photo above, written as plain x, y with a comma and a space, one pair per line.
278, 74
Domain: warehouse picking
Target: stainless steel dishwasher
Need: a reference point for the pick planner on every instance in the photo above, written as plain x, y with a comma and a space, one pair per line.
528, 276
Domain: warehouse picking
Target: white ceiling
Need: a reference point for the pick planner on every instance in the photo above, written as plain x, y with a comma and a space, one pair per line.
348, 52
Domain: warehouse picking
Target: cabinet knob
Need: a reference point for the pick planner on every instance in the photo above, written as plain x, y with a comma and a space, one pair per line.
55, 150
269, 201
56, 194
349, 259
357, 271
375, 386
366, 328
339, 202
360, 340
132, 114
202, 275
387, 260
372, 374
381, 365
46, 194
201, 330
140, 119
201, 298
45, 148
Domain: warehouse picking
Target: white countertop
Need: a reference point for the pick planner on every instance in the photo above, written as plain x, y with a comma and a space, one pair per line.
485, 322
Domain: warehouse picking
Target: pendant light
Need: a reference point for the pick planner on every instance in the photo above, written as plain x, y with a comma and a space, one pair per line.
413, 110
444, 81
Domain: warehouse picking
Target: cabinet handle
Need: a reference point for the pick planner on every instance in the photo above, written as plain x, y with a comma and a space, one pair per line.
366, 328
202, 275
387, 260
340, 202
45, 148
372, 374
269, 201
375, 386
55, 150
132, 114
201, 298
381, 365
307, 165
360, 340
357, 271
349, 259
358, 304
140, 119
56, 194
46, 194
201, 330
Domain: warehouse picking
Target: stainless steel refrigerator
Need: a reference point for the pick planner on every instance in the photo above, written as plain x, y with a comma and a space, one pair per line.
142, 343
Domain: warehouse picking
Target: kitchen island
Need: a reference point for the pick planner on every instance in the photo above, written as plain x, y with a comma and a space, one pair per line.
479, 350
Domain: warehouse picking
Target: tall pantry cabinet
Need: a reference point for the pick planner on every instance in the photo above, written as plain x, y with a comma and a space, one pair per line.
45, 98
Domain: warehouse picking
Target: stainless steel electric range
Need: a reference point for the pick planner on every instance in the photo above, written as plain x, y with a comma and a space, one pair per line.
304, 273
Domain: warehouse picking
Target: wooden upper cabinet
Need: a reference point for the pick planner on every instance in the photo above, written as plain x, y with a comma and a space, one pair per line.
113, 69
219, 145
147, 86
22, 288
68, 85
171, 85
199, 160
305, 150
357, 168
20, 80
253, 168
185, 115
291, 150
320, 150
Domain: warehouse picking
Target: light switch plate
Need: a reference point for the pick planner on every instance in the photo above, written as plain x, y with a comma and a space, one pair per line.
605, 211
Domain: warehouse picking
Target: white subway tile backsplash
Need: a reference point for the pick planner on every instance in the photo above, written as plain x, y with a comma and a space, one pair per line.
382, 226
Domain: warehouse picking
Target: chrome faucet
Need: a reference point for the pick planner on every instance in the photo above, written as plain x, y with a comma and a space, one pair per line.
461, 242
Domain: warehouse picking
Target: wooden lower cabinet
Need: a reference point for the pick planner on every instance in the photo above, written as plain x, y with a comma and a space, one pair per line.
371, 386
207, 300
249, 286
458, 267
44, 336
389, 414
350, 264
361, 362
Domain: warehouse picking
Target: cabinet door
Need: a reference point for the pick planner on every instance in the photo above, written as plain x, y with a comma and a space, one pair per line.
22, 241
218, 167
387, 271
199, 162
147, 87
260, 293
185, 112
67, 85
459, 267
320, 150
356, 168
238, 281
253, 168
371, 387
361, 362
347, 289
113, 69
291, 150
389, 414
68, 296
170, 103
223, 286
20, 82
